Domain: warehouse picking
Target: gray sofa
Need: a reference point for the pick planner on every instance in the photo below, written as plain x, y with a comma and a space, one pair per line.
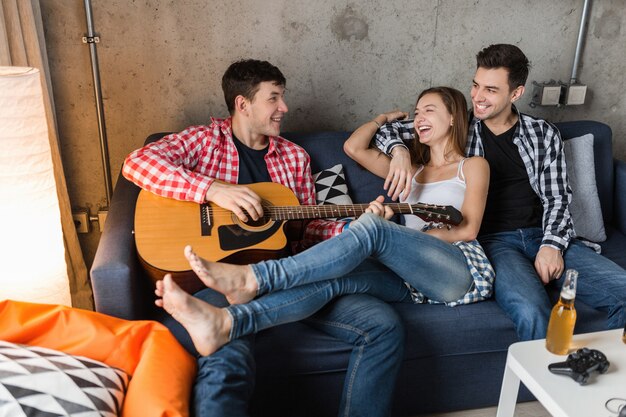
454, 357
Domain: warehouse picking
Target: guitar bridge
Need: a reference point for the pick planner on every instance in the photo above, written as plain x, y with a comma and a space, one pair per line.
206, 222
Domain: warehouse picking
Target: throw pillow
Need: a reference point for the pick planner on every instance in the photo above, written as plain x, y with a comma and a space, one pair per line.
36, 381
331, 187
585, 206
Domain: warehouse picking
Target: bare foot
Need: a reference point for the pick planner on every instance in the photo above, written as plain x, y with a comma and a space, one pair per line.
208, 326
236, 282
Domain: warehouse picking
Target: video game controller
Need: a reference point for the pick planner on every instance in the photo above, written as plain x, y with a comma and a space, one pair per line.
580, 364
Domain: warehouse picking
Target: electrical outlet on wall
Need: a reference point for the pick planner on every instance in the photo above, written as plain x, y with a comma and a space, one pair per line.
81, 220
546, 94
574, 94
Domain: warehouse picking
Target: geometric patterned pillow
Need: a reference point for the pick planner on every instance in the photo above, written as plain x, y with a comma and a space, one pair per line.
36, 381
331, 187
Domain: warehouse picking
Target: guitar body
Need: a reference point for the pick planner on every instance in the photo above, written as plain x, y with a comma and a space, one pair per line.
163, 227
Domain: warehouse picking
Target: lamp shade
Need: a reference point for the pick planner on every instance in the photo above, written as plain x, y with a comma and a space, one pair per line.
32, 252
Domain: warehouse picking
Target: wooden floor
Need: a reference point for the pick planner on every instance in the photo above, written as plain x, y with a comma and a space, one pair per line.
528, 409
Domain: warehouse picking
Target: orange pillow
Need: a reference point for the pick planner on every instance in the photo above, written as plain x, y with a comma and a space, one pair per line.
161, 371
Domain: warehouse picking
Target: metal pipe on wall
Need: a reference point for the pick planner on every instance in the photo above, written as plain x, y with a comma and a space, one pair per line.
91, 39
579, 44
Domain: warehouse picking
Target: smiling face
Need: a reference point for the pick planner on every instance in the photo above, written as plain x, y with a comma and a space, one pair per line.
491, 94
266, 109
432, 119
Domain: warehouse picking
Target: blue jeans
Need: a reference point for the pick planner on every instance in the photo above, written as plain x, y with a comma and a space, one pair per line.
225, 380
521, 294
369, 324
436, 268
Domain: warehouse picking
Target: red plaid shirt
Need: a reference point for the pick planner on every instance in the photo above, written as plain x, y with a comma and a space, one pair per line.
183, 166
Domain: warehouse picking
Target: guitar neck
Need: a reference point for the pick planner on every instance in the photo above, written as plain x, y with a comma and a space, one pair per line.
425, 211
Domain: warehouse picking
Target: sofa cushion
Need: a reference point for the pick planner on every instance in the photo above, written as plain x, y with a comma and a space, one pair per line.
614, 247
36, 381
585, 205
602, 155
331, 186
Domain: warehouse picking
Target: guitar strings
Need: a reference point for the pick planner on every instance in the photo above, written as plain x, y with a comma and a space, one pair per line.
331, 210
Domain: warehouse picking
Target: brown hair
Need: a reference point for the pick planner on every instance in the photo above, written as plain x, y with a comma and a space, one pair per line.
243, 78
456, 105
509, 57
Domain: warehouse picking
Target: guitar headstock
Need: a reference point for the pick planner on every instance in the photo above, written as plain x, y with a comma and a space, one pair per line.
437, 215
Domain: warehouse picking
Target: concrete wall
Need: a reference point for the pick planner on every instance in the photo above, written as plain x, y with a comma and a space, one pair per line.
345, 61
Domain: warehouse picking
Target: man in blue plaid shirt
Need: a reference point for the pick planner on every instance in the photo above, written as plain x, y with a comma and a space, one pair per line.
527, 230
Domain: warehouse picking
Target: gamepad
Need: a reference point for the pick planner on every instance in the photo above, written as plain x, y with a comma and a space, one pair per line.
580, 364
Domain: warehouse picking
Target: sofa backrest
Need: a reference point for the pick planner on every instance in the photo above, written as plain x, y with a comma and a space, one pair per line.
326, 150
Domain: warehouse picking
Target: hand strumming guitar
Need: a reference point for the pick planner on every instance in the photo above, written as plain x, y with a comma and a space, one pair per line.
235, 198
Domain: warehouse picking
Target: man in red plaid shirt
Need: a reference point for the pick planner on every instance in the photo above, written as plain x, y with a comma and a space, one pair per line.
211, 163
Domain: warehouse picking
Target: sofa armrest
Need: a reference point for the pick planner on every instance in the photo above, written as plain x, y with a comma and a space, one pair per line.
119, 286
619, 196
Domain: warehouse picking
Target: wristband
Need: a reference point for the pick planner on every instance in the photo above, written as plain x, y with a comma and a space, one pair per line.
377, 124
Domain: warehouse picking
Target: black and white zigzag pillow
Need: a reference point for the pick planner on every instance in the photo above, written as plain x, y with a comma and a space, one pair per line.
38, 382
331, 187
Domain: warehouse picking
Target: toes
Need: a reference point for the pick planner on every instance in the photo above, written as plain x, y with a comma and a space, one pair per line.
189, 253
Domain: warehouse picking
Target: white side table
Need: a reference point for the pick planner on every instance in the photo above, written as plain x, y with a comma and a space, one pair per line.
559, 394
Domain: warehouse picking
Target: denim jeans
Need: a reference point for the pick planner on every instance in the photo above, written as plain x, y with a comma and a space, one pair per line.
367, 323
436, 268
521, 294
225, 381
376, 334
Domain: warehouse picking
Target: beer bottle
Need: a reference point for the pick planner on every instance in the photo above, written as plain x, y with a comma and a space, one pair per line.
563, 317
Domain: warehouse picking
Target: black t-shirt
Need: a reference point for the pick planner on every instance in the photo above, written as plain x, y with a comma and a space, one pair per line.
511, 203
252, 165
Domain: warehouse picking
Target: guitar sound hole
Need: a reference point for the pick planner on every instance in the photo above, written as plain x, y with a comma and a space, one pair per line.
256, 223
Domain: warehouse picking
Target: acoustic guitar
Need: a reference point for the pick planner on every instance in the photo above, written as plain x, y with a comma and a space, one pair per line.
163, 227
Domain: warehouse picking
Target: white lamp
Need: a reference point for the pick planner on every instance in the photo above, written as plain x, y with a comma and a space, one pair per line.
32, 253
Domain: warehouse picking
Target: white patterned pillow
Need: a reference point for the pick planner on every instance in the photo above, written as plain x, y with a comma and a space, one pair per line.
36, 381
331, 187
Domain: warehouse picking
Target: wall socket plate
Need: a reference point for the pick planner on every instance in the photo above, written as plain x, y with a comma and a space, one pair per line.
574, 94
546, 94
81, 221
102, 217
550, 95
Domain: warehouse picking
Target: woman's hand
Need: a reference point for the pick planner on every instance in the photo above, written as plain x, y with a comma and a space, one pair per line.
377, 207
398, 180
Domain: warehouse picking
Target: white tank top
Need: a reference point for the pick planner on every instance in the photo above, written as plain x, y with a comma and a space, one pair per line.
447, 192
